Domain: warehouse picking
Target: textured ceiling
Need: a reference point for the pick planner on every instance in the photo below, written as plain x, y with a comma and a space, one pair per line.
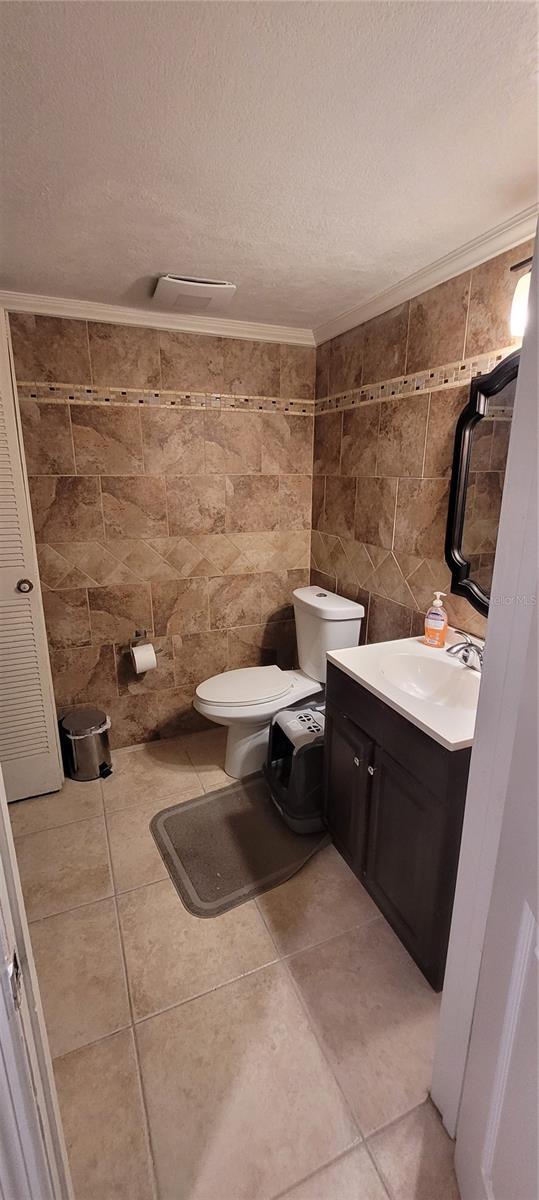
313, 153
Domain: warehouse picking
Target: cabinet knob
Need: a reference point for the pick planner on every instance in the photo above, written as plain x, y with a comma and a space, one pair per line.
371, 770
356, 761
24, 585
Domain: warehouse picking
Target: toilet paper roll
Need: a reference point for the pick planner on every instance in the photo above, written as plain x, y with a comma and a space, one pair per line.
143, 657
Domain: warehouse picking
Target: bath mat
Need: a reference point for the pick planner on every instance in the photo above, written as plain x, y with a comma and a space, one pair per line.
223, 848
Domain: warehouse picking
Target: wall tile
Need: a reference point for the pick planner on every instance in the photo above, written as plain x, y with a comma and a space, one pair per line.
375, 511
190, 361
83, 674
116, 612
173, 441
83, 564
318, 509
327, 443
384, 344
48, 448
346, 361
321, 579
421, 516
340, 505
437, 324
445, 409
401, 436
251, 368
500, 445
277, 589
199, 656
134, 719
298, 368
252, 503
234, 600
175, 713
134, 506
107, 441
67, 618
491, 295
55, 349
274, 551
65, 508
295, 501
151, 681
360, 440
232, 443
287, 444
196, 504
481, 446
322, 370
263, 645
387, 620
429, 576
124, 356
180, 607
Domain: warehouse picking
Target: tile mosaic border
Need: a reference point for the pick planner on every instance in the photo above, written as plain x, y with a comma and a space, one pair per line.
432, 379
63, 393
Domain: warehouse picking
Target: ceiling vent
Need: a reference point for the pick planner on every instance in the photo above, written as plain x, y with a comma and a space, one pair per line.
185, 294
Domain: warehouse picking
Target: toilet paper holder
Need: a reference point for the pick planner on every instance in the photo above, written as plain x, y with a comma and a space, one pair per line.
143, 654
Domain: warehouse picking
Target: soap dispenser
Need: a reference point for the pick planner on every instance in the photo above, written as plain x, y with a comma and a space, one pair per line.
436, 622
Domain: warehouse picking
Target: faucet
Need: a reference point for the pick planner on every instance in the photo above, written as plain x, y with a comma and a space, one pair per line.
466, 651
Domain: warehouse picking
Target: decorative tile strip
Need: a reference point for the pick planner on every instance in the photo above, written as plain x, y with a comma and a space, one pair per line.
63, 393
433, 379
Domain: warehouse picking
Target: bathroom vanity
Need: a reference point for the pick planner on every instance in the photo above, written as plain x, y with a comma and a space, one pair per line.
399, 727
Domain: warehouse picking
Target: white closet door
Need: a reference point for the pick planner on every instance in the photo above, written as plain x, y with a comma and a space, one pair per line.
29, 748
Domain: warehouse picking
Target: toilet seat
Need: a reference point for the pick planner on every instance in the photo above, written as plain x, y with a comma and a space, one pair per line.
245, 686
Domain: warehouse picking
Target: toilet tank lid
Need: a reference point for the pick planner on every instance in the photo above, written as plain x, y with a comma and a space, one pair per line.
327, 605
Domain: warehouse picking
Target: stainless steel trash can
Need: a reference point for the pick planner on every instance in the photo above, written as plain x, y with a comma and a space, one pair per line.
85, 743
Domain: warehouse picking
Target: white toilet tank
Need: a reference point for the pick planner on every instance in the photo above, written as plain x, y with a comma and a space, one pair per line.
324, 621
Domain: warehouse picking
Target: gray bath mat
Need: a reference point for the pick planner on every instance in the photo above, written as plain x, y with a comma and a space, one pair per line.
228, 846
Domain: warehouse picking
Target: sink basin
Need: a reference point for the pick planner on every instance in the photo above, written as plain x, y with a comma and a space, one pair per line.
439, 681
432, 689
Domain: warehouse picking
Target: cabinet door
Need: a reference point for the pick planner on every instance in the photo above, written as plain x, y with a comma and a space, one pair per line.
404, 860
349, 755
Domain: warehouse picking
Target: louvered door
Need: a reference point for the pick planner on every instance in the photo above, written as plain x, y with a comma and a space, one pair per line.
29, 750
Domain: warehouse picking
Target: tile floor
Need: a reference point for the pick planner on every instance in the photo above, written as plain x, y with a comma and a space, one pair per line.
283, 1049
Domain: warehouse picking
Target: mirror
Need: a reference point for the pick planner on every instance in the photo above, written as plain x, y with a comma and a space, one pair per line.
475, 498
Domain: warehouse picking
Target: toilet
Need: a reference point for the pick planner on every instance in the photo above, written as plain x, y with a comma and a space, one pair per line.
245, 700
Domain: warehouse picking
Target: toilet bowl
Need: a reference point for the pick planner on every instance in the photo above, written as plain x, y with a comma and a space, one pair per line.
246, 699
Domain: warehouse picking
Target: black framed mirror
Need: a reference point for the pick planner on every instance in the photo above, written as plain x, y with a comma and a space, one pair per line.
477, 478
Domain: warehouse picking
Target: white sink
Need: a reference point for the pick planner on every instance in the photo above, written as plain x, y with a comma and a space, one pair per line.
432, 679
429, 687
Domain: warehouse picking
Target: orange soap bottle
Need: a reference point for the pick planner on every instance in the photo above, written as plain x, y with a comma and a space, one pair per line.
436, 622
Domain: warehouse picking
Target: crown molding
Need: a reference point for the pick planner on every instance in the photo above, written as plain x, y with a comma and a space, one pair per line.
88, 310
496, 241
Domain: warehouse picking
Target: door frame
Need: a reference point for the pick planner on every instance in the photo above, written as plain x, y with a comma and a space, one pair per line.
512, 610
33, 1157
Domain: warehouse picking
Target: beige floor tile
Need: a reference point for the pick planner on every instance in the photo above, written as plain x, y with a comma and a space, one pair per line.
377, 1017
64, 867
240, 1100
75, 802
351, 1177
81, 976
324, 899
172, 955
157, 769
206, 751
415, 1157
99, 1095
135, 857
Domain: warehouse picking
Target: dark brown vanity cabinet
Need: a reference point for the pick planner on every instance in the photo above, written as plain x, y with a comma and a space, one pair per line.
394, 807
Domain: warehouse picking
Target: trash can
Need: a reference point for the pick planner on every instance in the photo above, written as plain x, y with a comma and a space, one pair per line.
85, 743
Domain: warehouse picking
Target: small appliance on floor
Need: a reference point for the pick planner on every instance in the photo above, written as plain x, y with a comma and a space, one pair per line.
294, 765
